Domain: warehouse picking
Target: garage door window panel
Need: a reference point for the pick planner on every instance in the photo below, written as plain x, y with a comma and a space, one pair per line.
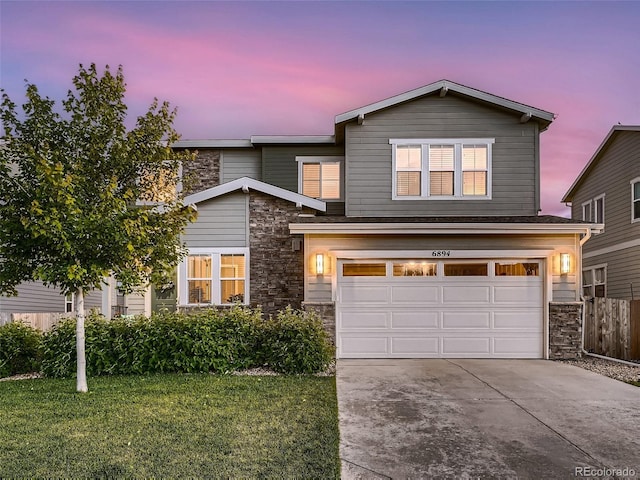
364, 270
415, 269
519, 269
466, 269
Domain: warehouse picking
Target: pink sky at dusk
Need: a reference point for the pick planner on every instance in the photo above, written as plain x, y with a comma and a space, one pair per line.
236, 69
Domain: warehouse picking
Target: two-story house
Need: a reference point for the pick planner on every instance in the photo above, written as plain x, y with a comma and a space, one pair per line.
607, 192
413, 229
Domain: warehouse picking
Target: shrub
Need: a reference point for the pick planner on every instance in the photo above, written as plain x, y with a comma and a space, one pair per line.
209, 340
296, 342
59, 350
20, 349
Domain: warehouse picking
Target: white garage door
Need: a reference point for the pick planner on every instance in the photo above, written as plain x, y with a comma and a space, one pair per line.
426, 308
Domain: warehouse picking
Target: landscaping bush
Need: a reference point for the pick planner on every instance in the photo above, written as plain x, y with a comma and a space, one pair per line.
295, 342
209, 340
20, 349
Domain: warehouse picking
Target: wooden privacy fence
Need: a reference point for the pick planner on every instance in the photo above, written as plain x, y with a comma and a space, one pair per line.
41, 321
612, 327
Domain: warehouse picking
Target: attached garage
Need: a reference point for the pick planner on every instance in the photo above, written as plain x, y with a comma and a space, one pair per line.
426, 307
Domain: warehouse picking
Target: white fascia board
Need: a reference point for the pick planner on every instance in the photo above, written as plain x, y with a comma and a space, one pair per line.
293, 139
439, 228
246, 183
448, 85
457, 253
213, 144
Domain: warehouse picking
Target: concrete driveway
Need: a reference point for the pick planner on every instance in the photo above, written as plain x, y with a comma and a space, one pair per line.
484, 419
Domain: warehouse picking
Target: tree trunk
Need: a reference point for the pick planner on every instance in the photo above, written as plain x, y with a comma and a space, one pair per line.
81, 377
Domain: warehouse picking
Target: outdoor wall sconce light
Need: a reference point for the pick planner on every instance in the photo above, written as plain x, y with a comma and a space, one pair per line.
319, 264
565, 263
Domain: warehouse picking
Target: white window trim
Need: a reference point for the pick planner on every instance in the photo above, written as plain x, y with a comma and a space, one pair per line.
424, 188
70, 300
632, 182
215, 253
595, 209
588, 203
322, 159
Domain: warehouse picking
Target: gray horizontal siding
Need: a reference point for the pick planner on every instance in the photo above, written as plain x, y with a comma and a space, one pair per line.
279, 166
135, 304
623, 272
369, 173
241, 162
93, 300
222, 222
617, 166
33, 297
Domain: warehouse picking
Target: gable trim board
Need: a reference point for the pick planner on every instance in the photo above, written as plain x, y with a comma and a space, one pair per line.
445, 86
246, 183
568, 197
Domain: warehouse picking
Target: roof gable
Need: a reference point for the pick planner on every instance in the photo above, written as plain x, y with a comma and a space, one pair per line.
443, 87
611, 136
245, 184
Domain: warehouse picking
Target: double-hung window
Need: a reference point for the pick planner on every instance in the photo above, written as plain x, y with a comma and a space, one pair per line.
635, 200
598, 209
320, 177
586, 211
441, 168
594, 281
214, 277
593, 210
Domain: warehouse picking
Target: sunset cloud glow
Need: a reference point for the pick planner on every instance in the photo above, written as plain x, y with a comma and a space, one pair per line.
236, 69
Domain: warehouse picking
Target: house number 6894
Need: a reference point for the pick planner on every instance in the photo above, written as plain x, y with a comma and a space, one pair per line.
441, 253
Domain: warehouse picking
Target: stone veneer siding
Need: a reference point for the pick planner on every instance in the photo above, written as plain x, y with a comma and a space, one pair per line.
276, 269
203, 172
327, 313
565, 330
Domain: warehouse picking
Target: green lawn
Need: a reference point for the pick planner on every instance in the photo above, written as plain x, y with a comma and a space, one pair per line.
171, 426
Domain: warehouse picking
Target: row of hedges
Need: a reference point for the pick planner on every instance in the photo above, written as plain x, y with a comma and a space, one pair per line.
218, 341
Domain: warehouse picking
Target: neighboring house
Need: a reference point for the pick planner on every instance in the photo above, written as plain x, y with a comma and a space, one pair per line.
607, 192
413, 229
34, 297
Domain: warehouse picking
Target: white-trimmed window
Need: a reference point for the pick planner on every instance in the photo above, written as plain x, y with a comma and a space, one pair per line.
598, 209
69, 303
635, 200
215, 277
320, 177
441, 168
594, 281
586, 211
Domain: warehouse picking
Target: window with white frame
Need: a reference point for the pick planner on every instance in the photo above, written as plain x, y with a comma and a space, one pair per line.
594, 281
635, 199
441, 168
69, 302
320, 177
586, 211
214, 277
598, 209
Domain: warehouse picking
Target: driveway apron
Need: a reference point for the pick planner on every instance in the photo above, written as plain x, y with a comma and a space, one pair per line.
485, 419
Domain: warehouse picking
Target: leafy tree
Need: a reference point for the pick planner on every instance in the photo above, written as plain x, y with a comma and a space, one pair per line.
83, 198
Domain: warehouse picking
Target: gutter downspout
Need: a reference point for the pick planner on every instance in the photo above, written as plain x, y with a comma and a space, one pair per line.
582, 315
